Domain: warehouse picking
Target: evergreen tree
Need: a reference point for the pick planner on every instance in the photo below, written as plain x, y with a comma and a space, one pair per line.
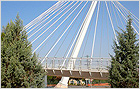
19, 67
123, 72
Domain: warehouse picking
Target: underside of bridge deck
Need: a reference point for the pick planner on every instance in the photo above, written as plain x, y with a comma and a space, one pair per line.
94, 74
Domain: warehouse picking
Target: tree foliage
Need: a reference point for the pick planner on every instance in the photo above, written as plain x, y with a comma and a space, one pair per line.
19, 67
124, 70
53, 79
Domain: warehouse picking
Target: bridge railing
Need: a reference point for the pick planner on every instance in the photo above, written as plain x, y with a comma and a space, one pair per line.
80, 63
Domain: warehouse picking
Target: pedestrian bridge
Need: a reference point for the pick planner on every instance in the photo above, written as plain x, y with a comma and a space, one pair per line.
95, 68
77, 28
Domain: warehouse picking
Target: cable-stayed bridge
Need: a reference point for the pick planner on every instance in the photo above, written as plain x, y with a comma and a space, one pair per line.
74, 38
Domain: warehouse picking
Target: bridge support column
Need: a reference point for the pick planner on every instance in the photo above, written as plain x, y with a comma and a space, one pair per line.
78, 43
45, 81
63, 84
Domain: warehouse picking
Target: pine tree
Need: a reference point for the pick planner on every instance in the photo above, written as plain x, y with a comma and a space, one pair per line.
123, 72
19, 67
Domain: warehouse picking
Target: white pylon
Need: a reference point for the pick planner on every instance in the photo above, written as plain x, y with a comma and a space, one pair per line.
75, 52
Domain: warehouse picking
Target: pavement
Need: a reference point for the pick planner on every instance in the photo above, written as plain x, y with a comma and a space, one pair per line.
82, 86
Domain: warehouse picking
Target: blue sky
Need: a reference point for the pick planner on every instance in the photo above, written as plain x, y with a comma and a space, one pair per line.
28, 10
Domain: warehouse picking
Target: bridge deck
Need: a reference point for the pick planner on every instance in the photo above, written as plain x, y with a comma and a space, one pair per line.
94, 73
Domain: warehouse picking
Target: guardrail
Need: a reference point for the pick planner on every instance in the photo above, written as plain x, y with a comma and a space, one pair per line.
82, 63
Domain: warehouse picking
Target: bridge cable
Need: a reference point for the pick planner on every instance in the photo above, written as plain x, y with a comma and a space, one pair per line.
55, 29
107, 33
95, 29
62, 31
111, 24
124, 17
88, 37
88, 33
119, 17
75, 33
114, 13
47, 19
52, 18
122, 13
66, 29
73, 43
62, 34
126, 14
48, 11
69, 30
53, 24
74, 36
59, 37
129, 12
66, 35
101, 35
35, 23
